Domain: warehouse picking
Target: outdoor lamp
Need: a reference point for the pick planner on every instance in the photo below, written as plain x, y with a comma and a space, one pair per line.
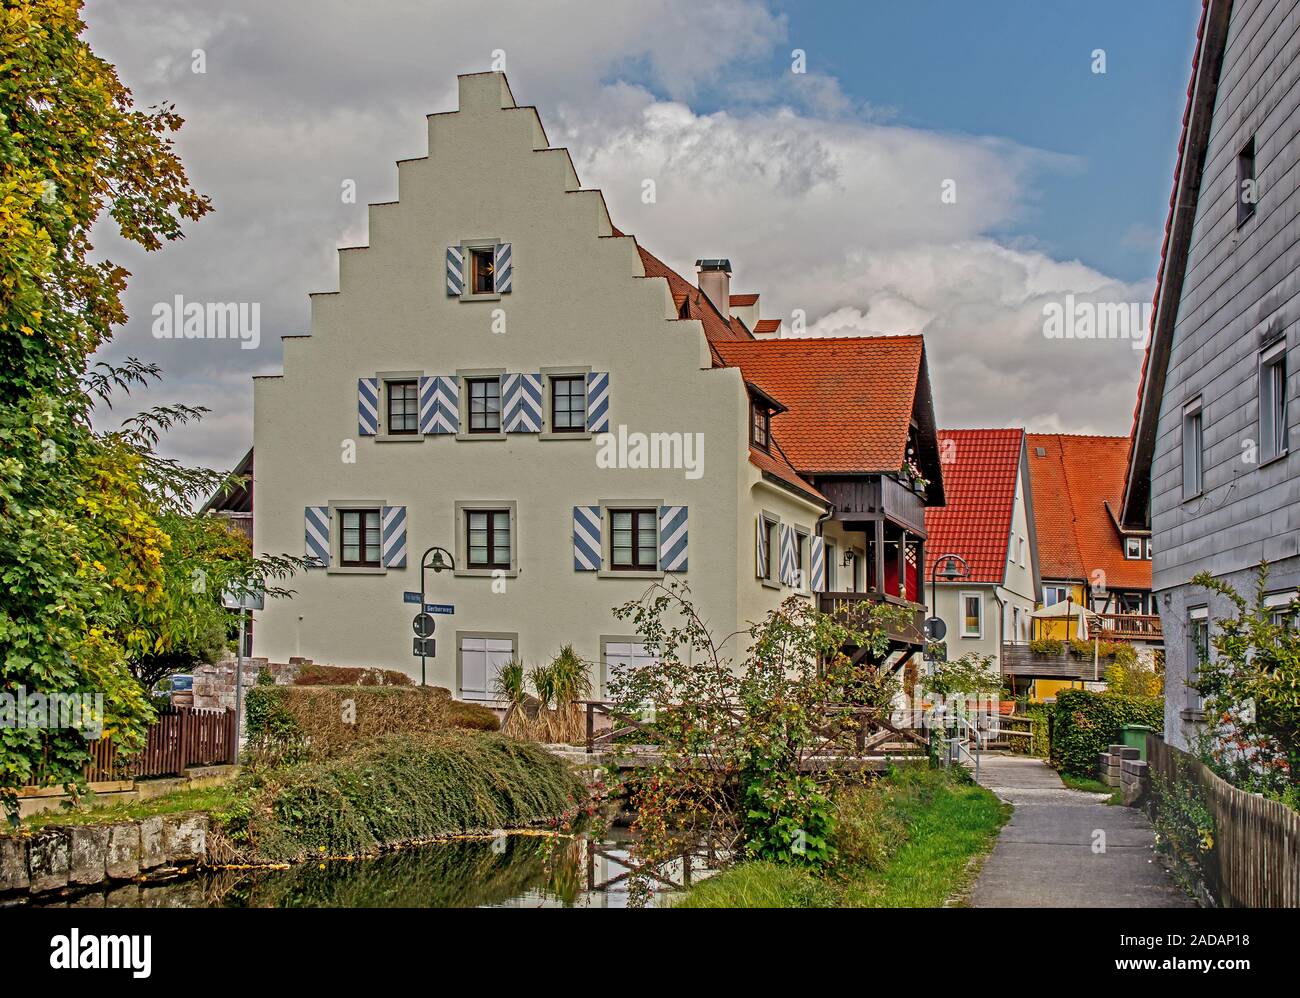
950, 571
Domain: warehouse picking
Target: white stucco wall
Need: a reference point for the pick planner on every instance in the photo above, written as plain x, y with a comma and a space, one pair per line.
579, 301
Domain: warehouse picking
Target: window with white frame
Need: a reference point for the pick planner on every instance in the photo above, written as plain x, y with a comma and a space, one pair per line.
1133, 548
1280, 612
1146, 549
1055, 594
1272, 402
972, 615
1193, 455
1198, 651
480, 658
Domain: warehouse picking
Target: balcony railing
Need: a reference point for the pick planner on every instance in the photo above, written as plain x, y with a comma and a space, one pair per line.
854, 610
1021, 660
1125, 627
875, 495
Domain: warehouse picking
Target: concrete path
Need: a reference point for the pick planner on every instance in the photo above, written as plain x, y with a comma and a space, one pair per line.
1045, 858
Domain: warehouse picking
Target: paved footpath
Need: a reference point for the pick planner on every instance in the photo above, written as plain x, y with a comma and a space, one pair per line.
1044, 855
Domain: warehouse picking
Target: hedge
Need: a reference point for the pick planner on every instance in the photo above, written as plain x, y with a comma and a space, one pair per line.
1085, 724
290, 723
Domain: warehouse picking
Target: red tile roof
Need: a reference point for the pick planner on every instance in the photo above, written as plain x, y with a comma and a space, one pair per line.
716, 325
980, 473
1077, 486
849, 399
742, 301
767, 325
775, 464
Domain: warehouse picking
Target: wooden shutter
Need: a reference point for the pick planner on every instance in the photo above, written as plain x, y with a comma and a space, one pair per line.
598, 402
367, 406
672, 538
455, 271
393, 538
502, 269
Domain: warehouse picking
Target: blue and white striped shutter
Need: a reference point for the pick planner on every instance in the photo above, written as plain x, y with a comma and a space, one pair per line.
760, 548
316, 520
368, 406
817, 561
455, 270
672, 538
439, 405
788, 568
598, 402
428, 403
521, 403
502, 268
586, 538
394, 536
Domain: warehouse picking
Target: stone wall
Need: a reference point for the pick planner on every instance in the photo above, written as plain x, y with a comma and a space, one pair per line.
214, 685
1121, 767
59, 857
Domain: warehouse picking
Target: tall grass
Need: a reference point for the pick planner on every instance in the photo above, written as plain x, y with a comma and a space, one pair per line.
397, 789
543, 703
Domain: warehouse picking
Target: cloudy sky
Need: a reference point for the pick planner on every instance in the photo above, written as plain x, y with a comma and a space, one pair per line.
825, 187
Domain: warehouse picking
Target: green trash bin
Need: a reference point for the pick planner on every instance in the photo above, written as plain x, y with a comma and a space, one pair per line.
1135, 736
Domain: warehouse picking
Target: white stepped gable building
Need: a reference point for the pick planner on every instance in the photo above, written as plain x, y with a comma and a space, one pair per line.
454, 391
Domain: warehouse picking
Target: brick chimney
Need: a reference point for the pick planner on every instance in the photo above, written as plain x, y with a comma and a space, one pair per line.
714, 278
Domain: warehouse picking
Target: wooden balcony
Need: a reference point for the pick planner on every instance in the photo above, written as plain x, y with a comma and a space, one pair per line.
1126, 627
1019, 660
870, 496
238, 523
853, 610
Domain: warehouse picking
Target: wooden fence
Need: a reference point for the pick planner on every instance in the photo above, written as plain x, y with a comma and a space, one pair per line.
1255, 861
180, 738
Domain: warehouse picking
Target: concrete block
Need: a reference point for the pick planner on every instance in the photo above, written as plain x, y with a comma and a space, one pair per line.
1129, 752
123, 859
87, 853
1117, 749
13, 863
152, 851
48, 866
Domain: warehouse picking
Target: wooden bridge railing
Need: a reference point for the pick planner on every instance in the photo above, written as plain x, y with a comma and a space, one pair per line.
871, 727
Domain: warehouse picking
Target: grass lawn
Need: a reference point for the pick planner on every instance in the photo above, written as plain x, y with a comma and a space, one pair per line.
210, 798
944, 826
1091, 786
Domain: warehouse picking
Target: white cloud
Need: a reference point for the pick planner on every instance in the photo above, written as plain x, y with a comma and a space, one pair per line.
819, 200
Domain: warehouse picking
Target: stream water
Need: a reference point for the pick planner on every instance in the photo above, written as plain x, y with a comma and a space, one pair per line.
513, 871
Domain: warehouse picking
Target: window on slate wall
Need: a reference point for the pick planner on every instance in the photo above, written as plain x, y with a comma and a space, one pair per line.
482, 280
487, 533
484, 405
1193, 458
1272, 402
569, 404
403, 407
1247, 185
633, 539
359, 545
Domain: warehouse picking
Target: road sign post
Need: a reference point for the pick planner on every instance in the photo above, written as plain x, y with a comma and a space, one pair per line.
439, 559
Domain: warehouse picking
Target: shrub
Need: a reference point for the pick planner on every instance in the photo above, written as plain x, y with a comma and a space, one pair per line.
1047, 646
867, 830
1087, 722
312, 674
396, 789
288, 723
472, 717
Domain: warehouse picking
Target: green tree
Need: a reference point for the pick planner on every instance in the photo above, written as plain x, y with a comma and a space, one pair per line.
84, 516
1251, 687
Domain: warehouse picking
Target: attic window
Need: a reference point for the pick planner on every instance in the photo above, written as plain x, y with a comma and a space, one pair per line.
760, 425
481, 272
1040, 452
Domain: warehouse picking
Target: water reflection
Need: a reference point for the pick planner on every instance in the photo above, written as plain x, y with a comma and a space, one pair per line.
514, 871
